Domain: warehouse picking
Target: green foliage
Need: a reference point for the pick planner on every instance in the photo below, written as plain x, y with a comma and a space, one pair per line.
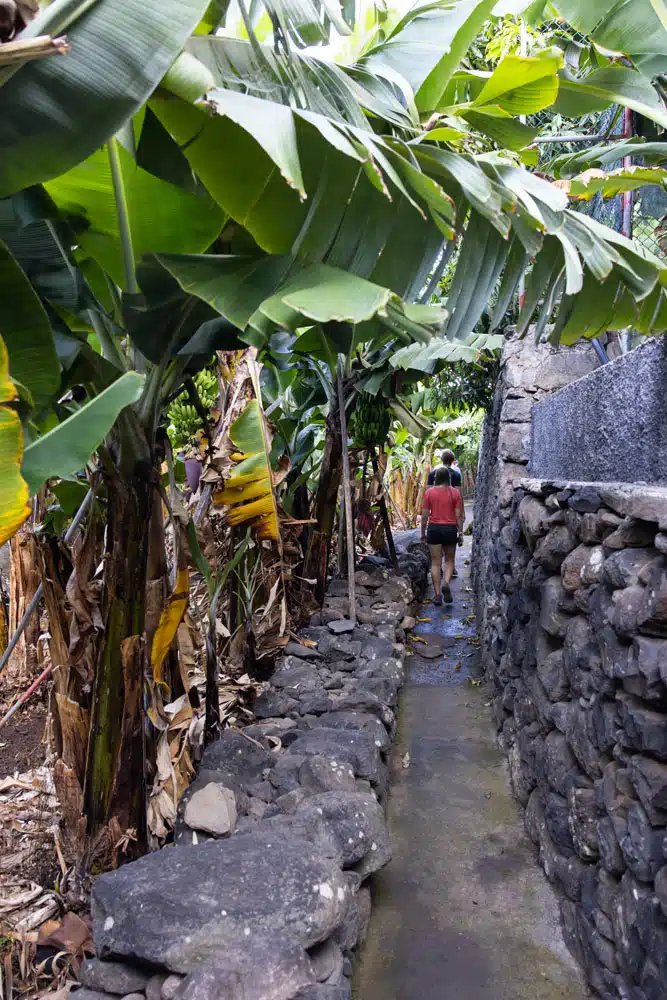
463, 386
463, 436
184, 421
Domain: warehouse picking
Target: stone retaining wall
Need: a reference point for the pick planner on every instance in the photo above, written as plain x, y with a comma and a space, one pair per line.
575, 582
265, 895
608, 426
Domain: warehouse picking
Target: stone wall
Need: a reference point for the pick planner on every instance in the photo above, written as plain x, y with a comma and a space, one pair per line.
529, 374
265, 895
576, 653
608, 426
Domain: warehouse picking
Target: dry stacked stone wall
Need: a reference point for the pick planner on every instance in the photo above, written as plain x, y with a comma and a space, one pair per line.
265, 895
575, 645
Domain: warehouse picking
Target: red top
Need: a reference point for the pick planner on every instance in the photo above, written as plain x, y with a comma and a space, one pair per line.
442, 502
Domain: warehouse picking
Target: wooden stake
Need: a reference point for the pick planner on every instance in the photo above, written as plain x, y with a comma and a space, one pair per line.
347, 492
384, 514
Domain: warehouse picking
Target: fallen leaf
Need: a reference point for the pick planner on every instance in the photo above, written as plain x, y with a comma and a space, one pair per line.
424, 619
457, 666
406, 760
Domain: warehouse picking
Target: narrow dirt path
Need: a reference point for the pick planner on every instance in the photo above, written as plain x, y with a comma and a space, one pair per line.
463, 912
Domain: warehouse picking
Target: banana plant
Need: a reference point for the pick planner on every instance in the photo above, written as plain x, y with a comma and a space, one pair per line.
156, 209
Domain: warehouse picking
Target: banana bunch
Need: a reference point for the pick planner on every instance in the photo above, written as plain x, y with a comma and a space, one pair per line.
369, 424
184, 421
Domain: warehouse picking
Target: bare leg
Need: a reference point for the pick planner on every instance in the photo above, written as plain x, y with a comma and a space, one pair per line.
449, 569
450, 554
436, 567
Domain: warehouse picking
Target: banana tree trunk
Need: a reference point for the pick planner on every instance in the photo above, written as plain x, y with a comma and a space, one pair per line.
384, 514
317, 557
115, 775
23, 582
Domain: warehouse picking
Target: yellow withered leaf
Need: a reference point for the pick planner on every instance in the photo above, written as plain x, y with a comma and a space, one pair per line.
14, 506
170, 619
249, 491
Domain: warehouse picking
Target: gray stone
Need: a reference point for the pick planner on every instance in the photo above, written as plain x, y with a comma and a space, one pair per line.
644, 728
296, 676
642, 845
534, 518
272, 702
559, 763
86, 994
517, 411
357, 698
325, 774
631, 533
592, 529
170, 910
235, 760
649, 779
622, 569
112, 977
327, 962
582, 818
354, 926
170, 987
582, 567
556, 816
303, 652
611, 855
154, 986
321, 991
212, 809
660, 886
354, 746
357, 720
551, 550
661, 542
585, 500
628, 609
580, 737
266, 968
338, 627
552, 619
359, 827
551, 673
514, 442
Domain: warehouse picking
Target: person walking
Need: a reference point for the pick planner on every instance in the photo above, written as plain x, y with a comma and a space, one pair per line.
442, 528
448, 459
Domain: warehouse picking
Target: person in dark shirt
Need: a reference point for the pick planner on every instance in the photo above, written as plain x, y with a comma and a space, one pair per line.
456, 479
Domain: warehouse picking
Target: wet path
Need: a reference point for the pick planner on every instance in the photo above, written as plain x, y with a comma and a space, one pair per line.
463, 912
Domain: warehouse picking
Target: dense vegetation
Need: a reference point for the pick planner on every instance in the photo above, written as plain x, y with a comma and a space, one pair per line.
207, 224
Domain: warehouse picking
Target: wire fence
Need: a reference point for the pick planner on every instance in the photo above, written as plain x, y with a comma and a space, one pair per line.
645, 210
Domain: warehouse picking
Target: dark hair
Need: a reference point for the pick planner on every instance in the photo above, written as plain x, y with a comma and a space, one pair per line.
448, 456
442, 476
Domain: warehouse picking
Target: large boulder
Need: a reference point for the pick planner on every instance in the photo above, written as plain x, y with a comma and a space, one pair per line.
184, 905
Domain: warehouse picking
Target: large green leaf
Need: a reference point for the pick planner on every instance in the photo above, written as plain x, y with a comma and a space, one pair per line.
606, 153
56, 112
609, 85
162, 217
427, 45
523, 85
630, 26
68, 447
424, 358
26, 332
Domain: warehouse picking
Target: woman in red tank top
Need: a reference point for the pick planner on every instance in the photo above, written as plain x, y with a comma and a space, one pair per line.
442, 528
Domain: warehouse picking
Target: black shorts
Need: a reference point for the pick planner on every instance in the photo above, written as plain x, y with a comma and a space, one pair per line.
442, 534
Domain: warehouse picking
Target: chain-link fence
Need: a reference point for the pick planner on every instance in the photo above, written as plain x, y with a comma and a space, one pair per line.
639, 214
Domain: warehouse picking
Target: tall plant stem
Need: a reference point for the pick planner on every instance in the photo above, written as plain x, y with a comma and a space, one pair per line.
122, 212
384, 514
347, 492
